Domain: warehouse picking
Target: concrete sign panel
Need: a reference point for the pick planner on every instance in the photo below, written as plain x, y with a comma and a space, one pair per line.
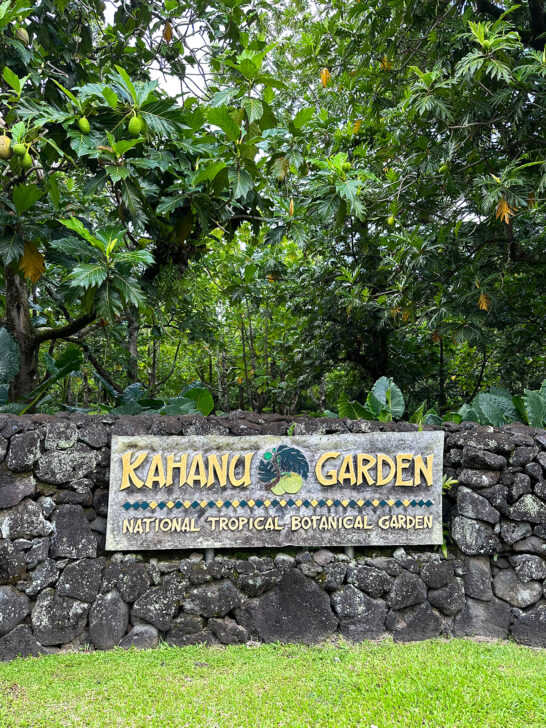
377, 489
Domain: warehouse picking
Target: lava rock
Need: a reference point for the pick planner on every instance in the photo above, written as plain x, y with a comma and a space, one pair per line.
44, 575
478, 478
360, 616
14, 488
228, 631
508, 587
437, 574
408, 589
61, 435
523, 455
25, 520
154, 607
529, 567
12, 562
530, 628
323, 557
296, 610
73, 537
38, 552
474, 538
133, 581
512, 531
374, 582
472, 505
214, 600
61, 466
108, 620
24, 451
141, 637
415, 623
390, 565
449, 599
332, 576
482, 459
529, 508
483, 619
19, 642
14, 607
94, 434
81, 580
56, 619
520, 486
477, 578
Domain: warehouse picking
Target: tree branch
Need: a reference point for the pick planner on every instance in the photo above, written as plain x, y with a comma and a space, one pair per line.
62, 332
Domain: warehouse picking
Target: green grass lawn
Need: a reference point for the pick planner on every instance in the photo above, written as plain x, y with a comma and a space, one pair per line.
435, 684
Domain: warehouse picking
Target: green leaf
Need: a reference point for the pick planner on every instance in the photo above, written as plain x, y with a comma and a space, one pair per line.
253, 107
303, 117
68, 93
12, 79
221, 118
202, 399
240, 182
88, 275
110, 96
180, 406
9, 356
417, 416
69, 361
11, 248
78, 227
351, 410
128, 84
24, 196
535, 408
117, 173
162, 117
53, 190
209, 172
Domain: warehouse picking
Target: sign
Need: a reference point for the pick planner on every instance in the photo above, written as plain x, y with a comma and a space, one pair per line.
377, 489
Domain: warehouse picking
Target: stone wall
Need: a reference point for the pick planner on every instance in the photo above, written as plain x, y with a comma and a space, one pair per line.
59, 590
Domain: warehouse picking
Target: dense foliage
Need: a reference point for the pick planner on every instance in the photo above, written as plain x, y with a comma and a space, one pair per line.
284, 203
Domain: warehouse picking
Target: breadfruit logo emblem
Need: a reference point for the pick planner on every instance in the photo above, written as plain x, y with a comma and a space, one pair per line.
283, 469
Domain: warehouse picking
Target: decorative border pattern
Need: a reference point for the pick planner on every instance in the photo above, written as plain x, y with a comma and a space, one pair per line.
144, 505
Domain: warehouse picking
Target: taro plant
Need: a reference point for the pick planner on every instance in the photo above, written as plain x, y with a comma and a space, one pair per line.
385, 403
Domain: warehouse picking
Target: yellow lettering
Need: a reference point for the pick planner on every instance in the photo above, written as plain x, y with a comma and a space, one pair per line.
421, 468
180, 465
245, 480
128, 525
332, 474
403, 461
383, 522
347, 470
295, 523
156, 472
129, 477
216, 470
381, 480
259, 523
428, 522
362, 471
197, 464
348, 522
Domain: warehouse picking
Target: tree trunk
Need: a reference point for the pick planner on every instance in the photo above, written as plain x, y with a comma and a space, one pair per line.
19, 325
132, 363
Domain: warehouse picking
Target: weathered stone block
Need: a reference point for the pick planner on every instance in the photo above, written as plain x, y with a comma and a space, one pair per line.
296, 610
141, 637
227, 631
73, 537
530, 628
529, 508
154, 607
133, 581
478, 478
512, 531
449, 599
81, 580
361, 617
415, 623
482, 459
19, 642
12, 562
214, 600
63, 466
24, 450
437, 574
529, 567
508, 587
108, 620
44, 575
14, 607
374, 582
474, 538
14, 488
25, 520
60, 435
56, 619
483, 619
472, 505
407, 589
477, 579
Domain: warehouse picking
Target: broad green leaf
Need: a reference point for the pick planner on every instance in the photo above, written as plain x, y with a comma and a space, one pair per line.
303, 117
240, 182
127, 83
351, 410
88, 275
221, 118
110, 96
78, 227
11, 247
24, 196
535, 408
208, 172
253, 107
12, 79
202, 398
